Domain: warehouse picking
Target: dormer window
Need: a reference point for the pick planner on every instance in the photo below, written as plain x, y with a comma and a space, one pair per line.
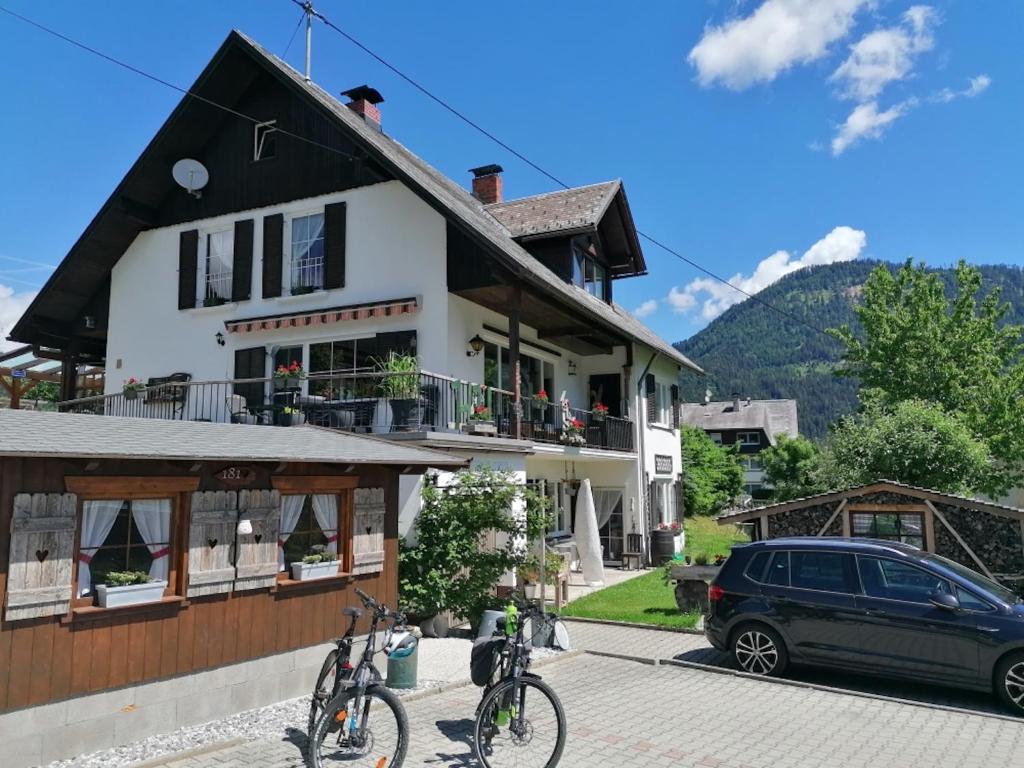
265, 140
589, 274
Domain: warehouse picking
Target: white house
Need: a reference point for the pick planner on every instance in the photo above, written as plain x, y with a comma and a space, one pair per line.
320, 240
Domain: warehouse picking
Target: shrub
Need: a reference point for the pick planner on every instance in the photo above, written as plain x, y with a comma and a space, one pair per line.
701, 558
124, 578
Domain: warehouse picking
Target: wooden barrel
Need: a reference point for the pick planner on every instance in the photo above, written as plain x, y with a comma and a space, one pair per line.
663, 546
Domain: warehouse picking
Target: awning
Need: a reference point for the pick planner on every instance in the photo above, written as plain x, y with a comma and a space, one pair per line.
373, 310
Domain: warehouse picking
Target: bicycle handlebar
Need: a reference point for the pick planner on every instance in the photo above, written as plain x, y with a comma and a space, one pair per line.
382, 610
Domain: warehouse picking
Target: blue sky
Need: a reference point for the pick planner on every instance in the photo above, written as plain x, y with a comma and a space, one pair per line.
752, 136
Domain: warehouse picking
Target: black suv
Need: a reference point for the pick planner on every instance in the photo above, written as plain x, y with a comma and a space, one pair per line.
871, 606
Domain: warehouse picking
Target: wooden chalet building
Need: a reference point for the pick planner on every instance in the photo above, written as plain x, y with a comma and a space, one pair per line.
215, 514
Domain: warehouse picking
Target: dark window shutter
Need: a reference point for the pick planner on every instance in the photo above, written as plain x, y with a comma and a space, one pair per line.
188, 259
334, 245
675, 406
241, 270
652, 400
250, 364
273, 254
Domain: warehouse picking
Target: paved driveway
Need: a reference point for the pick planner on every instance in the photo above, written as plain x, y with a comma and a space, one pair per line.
624, 713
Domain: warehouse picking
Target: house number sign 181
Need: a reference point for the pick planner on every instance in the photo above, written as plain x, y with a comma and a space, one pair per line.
236, 475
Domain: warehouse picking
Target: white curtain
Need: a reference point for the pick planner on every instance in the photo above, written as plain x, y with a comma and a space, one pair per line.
153, 519
98, 518
291, 509
325, 507
605, 501
588, 541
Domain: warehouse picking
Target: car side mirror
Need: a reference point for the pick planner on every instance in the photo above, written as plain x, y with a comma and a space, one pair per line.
944, 600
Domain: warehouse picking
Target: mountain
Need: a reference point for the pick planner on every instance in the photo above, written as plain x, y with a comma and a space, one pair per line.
756, 352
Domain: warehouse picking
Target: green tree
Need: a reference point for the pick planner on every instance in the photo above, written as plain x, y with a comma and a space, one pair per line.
791, 467
912, 442
915, 343
451, 568
712, 475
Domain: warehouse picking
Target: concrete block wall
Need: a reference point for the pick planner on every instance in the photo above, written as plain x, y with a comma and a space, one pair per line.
39, 735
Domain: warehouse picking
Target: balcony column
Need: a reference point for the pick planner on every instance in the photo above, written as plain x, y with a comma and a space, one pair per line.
68, 379
515, 299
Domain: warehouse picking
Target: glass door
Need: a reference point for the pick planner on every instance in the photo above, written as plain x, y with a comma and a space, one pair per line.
613, 537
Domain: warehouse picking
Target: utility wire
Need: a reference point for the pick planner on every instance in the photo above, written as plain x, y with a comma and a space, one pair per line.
172, 86
476, 126
302, 17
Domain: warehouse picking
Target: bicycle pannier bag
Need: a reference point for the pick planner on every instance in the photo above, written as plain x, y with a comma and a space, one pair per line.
484, 659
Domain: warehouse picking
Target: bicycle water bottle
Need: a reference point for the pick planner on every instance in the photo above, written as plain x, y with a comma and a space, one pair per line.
511, 617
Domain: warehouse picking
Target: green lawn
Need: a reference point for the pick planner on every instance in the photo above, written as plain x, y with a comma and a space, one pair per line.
703, 534
648, 599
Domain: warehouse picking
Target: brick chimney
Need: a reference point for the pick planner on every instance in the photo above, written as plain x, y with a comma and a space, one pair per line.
363, 100
487, 183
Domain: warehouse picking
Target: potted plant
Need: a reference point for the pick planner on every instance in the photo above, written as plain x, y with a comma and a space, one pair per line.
288, 377
573, 433
599, 411
301, 289
131, 388
318, 563
400, 385
214, 300
119, 588
541, 398
291, 417
480, 422
664, 543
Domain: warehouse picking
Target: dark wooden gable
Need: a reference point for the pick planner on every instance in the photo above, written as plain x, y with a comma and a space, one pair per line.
147, 197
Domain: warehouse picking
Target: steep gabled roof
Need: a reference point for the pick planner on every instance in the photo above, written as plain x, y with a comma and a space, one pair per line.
449, 198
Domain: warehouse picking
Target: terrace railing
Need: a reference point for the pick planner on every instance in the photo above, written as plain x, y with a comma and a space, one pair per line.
368, 402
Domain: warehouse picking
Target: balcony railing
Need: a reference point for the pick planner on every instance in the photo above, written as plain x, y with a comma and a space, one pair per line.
365, 402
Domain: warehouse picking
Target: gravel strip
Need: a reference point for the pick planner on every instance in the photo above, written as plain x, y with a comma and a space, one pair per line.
441, 663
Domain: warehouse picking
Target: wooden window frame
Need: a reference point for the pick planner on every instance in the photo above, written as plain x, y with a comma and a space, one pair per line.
177, 489
343, 487
927, 520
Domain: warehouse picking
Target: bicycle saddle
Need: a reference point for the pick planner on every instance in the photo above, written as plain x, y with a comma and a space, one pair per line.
355, 613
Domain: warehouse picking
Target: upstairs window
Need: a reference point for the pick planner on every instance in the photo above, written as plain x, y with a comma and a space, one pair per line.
264, 140
663, 400
589, 274
307, 255
215, 282
749, 439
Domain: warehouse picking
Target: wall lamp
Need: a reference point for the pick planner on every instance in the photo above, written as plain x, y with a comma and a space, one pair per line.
476, 345
220, 339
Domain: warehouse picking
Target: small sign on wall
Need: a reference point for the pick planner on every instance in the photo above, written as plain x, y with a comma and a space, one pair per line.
662, 464
236, 475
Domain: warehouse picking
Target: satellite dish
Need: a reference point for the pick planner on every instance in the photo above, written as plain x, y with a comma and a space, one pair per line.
192, 175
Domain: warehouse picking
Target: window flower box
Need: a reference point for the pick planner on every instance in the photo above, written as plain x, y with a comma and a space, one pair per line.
308, 571
132, 387
486, 428
131, 594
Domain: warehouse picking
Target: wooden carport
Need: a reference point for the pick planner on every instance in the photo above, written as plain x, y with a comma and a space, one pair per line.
21, 369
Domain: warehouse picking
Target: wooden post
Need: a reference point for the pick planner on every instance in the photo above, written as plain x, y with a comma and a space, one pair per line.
17, 389
514, 303
68, 379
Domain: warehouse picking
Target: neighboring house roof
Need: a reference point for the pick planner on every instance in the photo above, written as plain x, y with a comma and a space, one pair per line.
37, 433
773, 417
440, 192
741, 515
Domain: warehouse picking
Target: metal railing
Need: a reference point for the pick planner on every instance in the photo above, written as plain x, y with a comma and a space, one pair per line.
368, 402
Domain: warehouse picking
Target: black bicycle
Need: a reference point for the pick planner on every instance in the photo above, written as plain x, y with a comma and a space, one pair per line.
360, 722
520, 721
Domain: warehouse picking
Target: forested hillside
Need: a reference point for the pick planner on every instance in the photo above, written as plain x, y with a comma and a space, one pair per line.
756, 352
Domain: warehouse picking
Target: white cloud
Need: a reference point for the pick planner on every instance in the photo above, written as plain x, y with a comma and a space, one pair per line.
12, 305
975, 87
866, 122
886, 55
649, 307
777, 36
841, 244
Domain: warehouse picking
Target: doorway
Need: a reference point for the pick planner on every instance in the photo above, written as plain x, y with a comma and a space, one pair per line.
606, 388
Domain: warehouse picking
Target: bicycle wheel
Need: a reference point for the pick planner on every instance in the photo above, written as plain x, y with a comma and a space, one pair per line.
322, 691
379, 740
524, 727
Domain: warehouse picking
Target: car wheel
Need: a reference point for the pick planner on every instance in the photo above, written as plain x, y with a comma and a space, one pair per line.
759, 650
1009, 679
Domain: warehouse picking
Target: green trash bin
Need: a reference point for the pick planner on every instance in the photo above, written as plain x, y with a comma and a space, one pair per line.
402, 666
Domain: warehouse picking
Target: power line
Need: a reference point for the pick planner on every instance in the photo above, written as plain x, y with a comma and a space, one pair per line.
476, 126
302, 17
172, 86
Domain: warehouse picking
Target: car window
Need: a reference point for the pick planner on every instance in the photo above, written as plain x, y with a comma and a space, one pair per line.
894, 580
984, 584
778, 571
824, 571
755, 569
971, 603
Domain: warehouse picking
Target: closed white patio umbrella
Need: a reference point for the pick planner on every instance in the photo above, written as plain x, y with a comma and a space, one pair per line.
588, 541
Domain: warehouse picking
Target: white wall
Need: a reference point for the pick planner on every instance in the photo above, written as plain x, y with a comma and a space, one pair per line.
395, 248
